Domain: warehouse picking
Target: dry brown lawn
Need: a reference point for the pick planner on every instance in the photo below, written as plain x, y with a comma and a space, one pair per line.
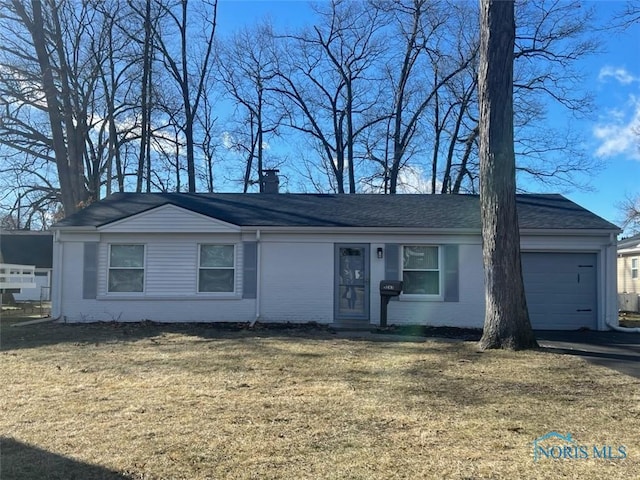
197, 402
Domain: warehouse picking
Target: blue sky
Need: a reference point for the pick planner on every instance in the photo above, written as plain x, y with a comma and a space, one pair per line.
612, 76
614, 79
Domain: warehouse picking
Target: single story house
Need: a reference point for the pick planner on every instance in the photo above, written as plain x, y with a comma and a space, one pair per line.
25, 247
178, 257
629, 273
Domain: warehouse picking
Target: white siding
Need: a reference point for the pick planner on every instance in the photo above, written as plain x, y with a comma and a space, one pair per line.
170, 266
296, 279
467, 312
160, 218
297, 282
626, 284
70, 284
170, 283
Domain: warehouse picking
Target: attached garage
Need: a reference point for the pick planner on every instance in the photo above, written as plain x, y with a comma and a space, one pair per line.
561, 289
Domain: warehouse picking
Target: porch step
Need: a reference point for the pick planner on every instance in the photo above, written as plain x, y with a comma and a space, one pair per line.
353, 326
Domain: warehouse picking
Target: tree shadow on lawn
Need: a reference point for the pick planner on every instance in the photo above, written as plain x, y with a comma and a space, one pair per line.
19, 461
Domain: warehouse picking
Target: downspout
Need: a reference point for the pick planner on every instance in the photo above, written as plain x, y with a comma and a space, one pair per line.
258, 275
612, 326
618, 328
57, 278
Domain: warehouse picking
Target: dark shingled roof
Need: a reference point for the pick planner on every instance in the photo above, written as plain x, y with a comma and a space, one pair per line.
308, 210
630, 242
27, 248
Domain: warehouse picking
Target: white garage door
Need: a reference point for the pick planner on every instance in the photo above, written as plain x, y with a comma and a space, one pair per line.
561, 290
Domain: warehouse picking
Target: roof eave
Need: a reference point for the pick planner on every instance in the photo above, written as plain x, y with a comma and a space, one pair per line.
360, 230
569, 231
629, 250
74, 228
374, 229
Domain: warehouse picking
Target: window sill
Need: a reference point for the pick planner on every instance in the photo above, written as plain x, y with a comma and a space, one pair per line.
175, 298
421, 298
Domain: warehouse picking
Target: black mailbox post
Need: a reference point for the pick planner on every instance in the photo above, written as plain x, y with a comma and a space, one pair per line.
388, 289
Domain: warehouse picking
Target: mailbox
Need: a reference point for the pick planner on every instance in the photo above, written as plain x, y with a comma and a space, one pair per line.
388, 290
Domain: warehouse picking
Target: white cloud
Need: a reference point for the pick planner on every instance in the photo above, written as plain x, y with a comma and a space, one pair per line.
233, 143
618, 73
414, 180
620, 134
410, 180
228, 141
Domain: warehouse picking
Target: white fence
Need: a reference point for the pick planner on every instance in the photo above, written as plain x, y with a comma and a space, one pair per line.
14, 277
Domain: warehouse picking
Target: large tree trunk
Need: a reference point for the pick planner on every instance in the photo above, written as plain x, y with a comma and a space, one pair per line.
63, 134
506, 322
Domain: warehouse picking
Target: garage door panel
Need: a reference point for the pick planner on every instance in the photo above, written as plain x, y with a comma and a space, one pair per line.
569, 300
561, 290
564, 322
565, 286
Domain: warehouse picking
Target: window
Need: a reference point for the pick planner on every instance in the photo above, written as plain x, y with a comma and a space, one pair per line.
421, 270
216, 272
126, 268
634, 268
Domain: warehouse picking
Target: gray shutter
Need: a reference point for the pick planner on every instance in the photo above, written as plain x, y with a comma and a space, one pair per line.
250, 270
392, 262
451, 274
90, 271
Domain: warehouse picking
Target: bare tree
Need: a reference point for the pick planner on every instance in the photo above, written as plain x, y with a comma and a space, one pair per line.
72, 98
550, 37
628, 15
208, 140
326, 76
423, 38
46, 43
630, 209
116, 68
187, 69
247, 67
80, 116
460, 155
119, 95
630, 206
507, 322
144, 158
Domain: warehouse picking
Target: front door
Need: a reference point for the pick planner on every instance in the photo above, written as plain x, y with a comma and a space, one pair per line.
351, 284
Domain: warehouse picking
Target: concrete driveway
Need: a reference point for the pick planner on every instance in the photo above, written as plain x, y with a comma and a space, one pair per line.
616, 350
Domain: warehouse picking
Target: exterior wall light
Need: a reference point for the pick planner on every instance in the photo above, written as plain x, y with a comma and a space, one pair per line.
380, 252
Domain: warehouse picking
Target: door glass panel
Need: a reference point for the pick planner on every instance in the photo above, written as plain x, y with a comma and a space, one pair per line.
352, 281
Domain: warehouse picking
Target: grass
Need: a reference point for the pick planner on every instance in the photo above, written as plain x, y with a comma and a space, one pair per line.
108, 401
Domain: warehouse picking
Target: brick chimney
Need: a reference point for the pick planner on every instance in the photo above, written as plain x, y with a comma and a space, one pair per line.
270, 181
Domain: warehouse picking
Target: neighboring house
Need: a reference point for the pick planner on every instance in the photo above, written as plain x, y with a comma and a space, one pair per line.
23, 247
320, 258
629, 273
